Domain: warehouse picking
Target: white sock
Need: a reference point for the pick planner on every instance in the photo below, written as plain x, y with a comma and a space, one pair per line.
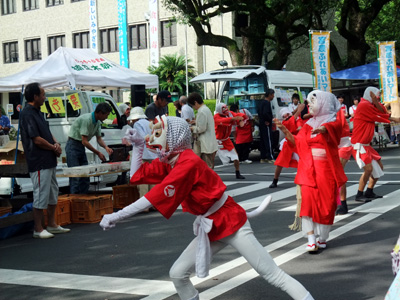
311, 239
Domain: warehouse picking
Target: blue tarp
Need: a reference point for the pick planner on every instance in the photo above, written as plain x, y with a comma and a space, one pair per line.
14, 229
365, 72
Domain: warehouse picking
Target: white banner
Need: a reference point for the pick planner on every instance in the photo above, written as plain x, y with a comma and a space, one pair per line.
321, 62
388, 71
93, 27
154, 43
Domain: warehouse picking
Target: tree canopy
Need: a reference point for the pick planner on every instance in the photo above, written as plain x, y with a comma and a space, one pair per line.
279, 27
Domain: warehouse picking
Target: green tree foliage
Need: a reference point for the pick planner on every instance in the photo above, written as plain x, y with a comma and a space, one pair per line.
171, 72
278, 26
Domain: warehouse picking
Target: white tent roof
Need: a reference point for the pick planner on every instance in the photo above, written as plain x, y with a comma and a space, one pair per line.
77, 68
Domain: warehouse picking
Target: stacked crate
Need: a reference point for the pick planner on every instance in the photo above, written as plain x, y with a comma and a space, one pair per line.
124, 195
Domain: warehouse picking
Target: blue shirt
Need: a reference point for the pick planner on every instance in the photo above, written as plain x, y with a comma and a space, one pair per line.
4, 122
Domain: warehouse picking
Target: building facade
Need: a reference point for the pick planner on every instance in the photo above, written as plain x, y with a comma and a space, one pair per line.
30, 30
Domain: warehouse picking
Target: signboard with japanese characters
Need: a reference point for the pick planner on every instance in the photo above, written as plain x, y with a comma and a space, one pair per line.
74, 101
56, 105
154, 43
321, 63
122, 34
388, 71
93, 27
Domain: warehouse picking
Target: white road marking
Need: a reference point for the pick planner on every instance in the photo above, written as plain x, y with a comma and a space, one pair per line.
158, 289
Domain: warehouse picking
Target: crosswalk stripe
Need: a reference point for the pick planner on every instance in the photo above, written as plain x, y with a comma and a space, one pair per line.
159, 289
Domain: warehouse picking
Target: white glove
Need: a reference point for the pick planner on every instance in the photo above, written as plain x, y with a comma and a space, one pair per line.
134, 137
110, 220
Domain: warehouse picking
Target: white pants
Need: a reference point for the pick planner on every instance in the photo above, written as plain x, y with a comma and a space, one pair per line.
250, 248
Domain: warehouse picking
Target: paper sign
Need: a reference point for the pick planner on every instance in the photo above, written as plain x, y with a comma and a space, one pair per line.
56, 105
43, 108
10, 109
74, 101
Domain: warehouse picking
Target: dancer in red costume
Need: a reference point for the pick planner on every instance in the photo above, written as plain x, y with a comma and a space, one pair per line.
287, 158
223, 121
319, 172
369, 111
182, 178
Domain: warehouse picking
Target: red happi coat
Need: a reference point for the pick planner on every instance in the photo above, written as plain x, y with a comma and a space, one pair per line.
195, 186
223, 128
284, 158
244, 134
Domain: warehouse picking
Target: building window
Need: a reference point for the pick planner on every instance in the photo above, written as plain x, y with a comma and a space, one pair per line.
30, 4
54, 2
10, 51
109, 40
81, 39
138, 36
168, 33
33, 50
7, 7
55, 42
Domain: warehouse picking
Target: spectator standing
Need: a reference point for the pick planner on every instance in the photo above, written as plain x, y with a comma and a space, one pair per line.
125, 110
203, 130
187, 112
352, 110
295, 103
159, 107
243, 134
224, 120
41, 151
369, 111
82, 131
178, 109
343, 106
5, 127
265, 116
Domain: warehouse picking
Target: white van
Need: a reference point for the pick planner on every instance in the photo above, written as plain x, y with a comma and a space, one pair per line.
60, 125
246, 86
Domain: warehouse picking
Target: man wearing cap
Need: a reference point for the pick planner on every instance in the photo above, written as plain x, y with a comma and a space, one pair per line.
158, 107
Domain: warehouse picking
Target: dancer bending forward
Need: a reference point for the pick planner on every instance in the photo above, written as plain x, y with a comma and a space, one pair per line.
182, 178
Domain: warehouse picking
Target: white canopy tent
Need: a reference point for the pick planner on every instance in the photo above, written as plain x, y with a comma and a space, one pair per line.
77, 69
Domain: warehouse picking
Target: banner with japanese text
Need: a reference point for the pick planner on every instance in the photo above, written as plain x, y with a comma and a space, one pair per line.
93, 27
154, 43
320, 58
388, 71
122, 34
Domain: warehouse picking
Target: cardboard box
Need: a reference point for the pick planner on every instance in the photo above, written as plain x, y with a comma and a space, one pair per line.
8, 152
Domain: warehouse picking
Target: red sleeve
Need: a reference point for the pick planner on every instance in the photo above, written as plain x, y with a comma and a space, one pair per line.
290, 125
150, 173
224, 121
345, 126
366, 111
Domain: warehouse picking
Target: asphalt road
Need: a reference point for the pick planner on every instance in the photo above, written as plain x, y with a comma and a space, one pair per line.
132, 261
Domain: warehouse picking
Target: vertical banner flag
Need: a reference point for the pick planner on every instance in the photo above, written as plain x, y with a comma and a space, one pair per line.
388, 71
320, 60
154, 44
56, 105
122, 34
74, 101
93, 28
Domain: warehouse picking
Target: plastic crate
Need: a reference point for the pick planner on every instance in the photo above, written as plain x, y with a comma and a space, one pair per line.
124, 195
63, 211
256, 88
238, 83
5, 210
255, 81
88, 208
237, 90
246, 104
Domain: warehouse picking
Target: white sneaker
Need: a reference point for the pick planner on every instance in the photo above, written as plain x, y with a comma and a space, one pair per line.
247, 161
42, 235
58, 229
